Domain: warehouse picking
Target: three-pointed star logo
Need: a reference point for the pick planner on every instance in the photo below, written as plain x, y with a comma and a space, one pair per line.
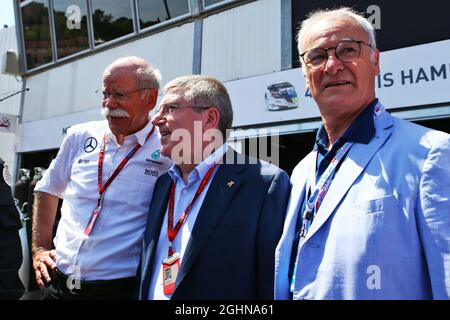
90, 144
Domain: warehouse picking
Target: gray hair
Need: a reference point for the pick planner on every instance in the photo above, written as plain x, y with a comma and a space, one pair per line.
206, 91
343, 13
147, 75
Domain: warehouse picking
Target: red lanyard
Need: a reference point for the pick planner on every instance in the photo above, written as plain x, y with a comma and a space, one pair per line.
172, 232
102, 189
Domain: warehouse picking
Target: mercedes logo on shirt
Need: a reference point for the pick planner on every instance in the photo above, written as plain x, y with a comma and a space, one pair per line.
90, 144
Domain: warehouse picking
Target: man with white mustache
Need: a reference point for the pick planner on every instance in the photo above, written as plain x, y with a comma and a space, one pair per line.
105, 172
116, 113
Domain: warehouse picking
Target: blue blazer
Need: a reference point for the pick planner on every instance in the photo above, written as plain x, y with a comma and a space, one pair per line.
230, 254
383, 229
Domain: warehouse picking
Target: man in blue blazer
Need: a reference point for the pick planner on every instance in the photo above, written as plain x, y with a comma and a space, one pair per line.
369, 212
217, 215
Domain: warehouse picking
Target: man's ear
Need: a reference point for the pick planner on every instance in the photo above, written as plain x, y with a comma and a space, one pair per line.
152, 97
305, 76
376, 61
211, 118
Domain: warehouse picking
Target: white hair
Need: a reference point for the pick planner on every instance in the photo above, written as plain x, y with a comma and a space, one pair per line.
343, 13
147, 76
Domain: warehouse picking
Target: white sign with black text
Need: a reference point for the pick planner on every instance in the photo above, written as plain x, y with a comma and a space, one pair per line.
410, 77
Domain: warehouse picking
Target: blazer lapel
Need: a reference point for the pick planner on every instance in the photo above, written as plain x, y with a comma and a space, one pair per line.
353, 165
156, 216
214, 206
284, 248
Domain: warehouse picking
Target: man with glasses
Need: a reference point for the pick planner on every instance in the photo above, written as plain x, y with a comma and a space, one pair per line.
105, 171
216, 216
369, 212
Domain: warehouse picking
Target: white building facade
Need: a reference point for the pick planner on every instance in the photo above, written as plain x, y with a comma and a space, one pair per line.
10, 87
64, 46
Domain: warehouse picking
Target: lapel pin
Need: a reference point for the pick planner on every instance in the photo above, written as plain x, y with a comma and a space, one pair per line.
230, 184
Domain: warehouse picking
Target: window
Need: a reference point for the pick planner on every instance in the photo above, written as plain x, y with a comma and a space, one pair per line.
211, 2
112, 19
70, 26
80, 26
36, 33
157, 11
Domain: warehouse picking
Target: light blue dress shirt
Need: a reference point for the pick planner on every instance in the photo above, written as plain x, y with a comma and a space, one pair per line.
184, 193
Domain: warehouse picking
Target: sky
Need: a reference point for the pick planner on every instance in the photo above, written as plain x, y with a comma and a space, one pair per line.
6, 13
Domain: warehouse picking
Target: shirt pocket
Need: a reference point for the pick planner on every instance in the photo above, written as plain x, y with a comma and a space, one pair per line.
363, 224
133, 192
143, 192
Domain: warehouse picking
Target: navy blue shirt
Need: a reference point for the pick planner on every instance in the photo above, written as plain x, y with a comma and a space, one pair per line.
362, 130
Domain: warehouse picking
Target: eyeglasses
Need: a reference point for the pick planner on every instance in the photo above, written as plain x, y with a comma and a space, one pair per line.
168, 109
346, 51
118, 96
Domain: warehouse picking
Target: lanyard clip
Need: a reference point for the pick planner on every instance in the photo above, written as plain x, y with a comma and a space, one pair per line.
170, 253
303, 232
309, 215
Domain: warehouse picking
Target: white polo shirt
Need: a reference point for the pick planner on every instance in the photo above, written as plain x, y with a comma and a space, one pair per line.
112, 250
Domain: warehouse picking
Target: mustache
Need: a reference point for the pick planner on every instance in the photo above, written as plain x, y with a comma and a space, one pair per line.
115, 113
